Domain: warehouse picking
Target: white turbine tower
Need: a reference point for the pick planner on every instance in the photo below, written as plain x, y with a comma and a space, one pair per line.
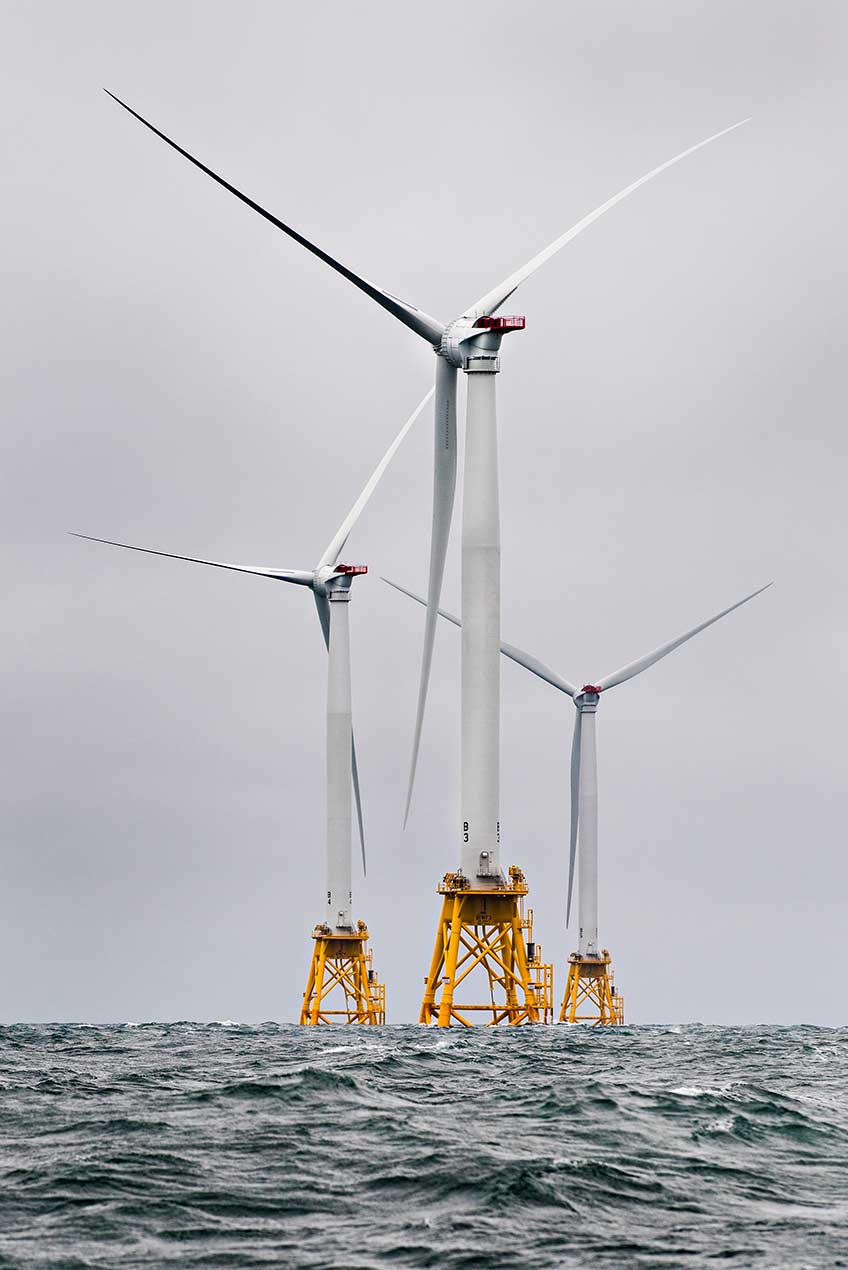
588, 980
340, 958
471, 343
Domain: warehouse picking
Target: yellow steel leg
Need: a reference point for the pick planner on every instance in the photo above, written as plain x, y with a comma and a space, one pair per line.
511, 958
568, 1013
531, 1012
305, 1014
321, 957
436, 962
446, 1007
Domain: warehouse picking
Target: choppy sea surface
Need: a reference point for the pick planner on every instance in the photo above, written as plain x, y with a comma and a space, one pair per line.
227, 1145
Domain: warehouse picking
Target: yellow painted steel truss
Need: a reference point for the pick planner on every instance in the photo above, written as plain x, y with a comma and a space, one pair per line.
590, 994
484, 930
342, 972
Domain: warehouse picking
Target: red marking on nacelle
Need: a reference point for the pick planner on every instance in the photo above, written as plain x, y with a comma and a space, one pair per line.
501, 324
592, 688
351, 568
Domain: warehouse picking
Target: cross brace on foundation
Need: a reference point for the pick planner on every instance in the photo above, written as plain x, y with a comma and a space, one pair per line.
342, 985
590, 994
484, 931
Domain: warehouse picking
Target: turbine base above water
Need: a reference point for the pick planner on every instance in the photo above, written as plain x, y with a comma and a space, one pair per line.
342, 986
487, 931
590, 994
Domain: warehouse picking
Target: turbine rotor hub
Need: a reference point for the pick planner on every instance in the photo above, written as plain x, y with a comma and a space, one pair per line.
453, 338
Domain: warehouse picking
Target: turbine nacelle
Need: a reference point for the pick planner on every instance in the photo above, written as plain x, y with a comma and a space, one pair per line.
338, 577
464, 337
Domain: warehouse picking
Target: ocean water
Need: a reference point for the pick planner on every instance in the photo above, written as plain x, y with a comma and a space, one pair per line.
227, 1145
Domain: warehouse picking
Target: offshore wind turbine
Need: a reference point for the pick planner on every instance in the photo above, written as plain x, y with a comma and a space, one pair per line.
341, 961
589, 982
469, 342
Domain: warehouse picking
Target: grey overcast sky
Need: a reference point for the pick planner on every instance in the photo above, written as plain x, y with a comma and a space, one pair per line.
179, 374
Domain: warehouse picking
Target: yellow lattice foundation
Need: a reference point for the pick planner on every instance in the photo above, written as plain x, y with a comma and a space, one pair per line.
590, 995
342, 986
484, 932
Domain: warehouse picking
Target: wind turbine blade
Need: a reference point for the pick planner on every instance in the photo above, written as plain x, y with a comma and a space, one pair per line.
493, 299
298, 576
419, 599
357, 796
575, 808
322, 604
336, 547
538, 668
518, 655
444, 488
650, 659
428, 328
